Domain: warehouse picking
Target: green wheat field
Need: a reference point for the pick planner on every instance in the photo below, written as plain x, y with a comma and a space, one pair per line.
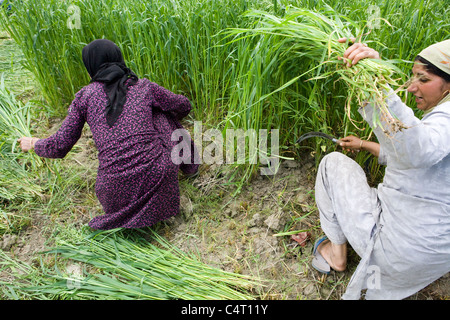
261, 64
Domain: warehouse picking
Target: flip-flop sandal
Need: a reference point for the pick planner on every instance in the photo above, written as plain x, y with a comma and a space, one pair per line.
318, 262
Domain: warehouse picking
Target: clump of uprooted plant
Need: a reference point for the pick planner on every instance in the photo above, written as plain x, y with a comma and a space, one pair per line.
310, 38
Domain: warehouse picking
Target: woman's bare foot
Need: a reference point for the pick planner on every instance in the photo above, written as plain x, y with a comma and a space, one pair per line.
334, 254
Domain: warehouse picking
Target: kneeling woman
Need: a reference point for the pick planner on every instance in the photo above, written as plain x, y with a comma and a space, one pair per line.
131, 121
401, 229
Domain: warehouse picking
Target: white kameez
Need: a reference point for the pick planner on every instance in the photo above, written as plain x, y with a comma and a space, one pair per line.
409, 246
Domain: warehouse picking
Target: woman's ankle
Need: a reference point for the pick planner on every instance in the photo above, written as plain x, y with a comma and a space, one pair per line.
334, 254
338, 256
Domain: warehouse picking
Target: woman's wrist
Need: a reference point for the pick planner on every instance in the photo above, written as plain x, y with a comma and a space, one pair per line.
33, 142
370, 146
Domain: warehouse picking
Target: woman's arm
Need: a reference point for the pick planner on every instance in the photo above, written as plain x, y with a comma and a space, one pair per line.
175, 104
60, 143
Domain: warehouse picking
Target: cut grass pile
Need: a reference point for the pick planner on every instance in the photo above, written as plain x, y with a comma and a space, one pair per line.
124, 264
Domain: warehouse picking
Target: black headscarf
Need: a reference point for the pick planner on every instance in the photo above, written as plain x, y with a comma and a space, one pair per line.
104, 63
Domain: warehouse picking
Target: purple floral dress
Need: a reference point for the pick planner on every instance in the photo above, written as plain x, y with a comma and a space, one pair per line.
137, 182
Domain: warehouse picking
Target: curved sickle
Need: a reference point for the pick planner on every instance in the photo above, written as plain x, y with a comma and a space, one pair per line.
317, 134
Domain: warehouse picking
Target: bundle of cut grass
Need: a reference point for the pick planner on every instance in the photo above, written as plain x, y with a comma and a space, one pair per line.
127, 266
15, 182
308, 37
15, 117
15, 122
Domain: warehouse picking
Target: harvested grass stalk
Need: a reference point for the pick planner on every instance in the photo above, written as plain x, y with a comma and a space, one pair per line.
12, 222
15, 181
15, 122
15, 117
130, 267
305, 36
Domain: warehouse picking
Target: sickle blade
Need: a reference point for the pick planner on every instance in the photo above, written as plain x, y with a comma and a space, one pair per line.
316, 134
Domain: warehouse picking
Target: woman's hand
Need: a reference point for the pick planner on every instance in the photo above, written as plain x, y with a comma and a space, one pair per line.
358, 51
27, 143
352, 144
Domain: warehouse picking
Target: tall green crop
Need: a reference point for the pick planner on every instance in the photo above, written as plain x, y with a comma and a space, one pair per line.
182, 45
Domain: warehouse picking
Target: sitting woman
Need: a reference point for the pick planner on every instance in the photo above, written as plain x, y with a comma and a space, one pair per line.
131, 121
401, 229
